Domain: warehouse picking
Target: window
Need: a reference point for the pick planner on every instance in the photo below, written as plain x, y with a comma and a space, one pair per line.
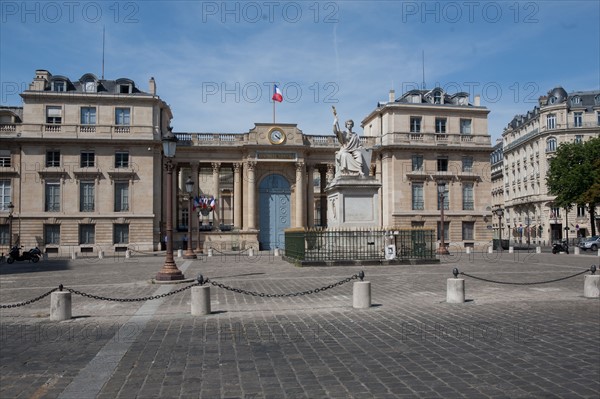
417, 196
4, 234
467, 164
124, 89
465, 126
88, 159
88, 115
121, 159
578, 119
52, 196
468, 203
59, 85
89, 87
121, 196
580, 211
446, 196
52, 158
576, 100
54, 115
185, 217
442, 164
121, 233
52, 234
578, 139
551, 144
122, 116
440, 125
467, 230
598, 118
417, 163
87, 234
555, 213
550, 121
437, 97
86, 196
5, 160
446, 231
415, 124
5, 197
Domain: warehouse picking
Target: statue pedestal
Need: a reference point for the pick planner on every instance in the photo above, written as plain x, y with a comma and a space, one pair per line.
353, 201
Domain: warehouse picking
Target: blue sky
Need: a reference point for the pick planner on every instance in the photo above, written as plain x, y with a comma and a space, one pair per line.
214, 61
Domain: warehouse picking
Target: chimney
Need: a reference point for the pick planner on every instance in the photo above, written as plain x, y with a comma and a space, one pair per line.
42, 77
477, 102
392, 97
152, 86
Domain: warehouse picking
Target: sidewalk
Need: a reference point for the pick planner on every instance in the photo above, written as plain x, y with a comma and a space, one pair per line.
506, 341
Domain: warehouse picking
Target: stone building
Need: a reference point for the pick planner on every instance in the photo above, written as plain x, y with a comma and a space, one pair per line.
529, 143
82, 164
428, 140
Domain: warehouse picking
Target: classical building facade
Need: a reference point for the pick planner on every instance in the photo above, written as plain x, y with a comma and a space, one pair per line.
81, 161
429, 140
82, 164
529, 143
497, 179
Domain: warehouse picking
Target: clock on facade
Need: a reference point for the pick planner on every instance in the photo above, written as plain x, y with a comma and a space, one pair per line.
276, 135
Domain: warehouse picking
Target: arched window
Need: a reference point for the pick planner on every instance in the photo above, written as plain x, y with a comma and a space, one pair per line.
551, 144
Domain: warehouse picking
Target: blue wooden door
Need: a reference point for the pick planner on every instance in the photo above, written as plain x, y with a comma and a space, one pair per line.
274, 211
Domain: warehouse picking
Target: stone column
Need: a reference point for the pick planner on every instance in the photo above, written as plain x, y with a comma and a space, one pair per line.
194, 214
251, 214
386, 164
237, 195
323, 173
310, 195
216, 167
300, 194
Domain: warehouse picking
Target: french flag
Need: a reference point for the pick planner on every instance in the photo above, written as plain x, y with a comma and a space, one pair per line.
277, 96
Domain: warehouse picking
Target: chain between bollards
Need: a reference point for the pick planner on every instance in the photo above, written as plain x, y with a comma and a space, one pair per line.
455, 272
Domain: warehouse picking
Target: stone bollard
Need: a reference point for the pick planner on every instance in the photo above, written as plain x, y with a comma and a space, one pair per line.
201, 300
100, 254
577, 251
73, 255
276, 252
455, 289
511, 250
490, 250
361, 295
468, 250
60, 306
180, 253
210, 252
251, 252
599, 252
538, 250
127, 254
45, 256
591, 286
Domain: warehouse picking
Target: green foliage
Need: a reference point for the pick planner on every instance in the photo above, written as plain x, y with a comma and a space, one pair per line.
574, 173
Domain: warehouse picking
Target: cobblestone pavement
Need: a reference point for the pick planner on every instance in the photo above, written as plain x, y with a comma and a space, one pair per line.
528, 341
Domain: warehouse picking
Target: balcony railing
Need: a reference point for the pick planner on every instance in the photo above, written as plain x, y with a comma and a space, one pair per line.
8, 127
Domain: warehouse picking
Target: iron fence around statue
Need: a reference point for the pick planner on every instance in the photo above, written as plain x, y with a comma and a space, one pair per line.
358, 244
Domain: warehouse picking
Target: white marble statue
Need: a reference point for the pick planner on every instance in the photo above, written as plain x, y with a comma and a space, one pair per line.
351, 159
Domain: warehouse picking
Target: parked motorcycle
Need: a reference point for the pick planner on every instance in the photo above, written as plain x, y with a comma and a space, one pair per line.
562, 246
33, 255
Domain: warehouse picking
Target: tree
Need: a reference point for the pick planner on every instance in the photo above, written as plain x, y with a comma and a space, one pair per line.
574, 176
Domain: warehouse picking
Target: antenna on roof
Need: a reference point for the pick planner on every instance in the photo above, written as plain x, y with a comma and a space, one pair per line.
103, 29
423, 66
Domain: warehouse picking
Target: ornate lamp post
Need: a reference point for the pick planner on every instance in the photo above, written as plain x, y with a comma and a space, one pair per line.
189, 252
11, 208
500, 213
169, 271
442, 250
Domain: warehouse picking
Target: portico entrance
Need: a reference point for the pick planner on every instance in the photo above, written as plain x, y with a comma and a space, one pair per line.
274, 205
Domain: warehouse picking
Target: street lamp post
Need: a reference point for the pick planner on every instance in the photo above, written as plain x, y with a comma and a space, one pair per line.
500, 213
11, 208
442, 250
189, 188
169, 271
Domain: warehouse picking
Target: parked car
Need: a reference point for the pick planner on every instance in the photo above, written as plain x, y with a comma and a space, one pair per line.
592, 243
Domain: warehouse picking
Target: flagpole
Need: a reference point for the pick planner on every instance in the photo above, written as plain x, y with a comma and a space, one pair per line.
274, 110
